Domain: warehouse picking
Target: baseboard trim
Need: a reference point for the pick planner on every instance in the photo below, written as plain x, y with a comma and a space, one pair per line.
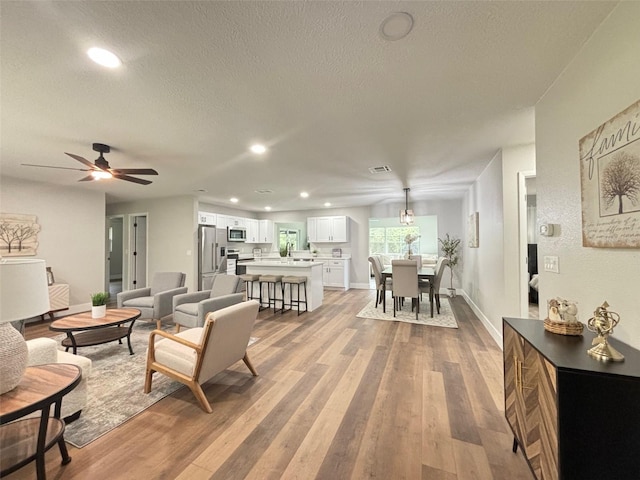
495, 334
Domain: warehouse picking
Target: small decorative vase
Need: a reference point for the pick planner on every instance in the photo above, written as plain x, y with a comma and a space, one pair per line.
99, 311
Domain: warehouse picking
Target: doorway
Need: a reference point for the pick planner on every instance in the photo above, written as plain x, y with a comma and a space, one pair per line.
114, 265
137, 251
528, 241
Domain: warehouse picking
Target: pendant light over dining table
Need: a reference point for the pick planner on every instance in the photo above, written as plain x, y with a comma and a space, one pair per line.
406, 215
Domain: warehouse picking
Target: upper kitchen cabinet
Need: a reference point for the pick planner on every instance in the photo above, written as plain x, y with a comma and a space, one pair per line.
206, 218
265, 230
253, 231
225, 221
328, 229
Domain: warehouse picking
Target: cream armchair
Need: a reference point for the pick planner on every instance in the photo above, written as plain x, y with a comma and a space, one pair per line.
45, 350
155, 301
191, 309
196, 355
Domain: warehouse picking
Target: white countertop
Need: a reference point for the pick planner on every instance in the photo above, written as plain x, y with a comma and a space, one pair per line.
285, 264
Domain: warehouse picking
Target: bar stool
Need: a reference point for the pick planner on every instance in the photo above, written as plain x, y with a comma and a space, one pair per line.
270, 280
294, 280
249, 279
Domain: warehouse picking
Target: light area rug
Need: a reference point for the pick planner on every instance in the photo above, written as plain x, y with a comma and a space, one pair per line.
115, 387
444, 319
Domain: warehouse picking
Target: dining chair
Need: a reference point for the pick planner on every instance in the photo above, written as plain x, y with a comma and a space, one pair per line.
405, 284
376, 267
439, 272
418, 259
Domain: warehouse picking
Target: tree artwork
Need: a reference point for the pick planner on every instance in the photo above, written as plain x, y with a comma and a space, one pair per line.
620, 179
610, 182
18, 235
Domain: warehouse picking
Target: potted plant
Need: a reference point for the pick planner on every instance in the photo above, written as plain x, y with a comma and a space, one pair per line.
99, 304
314, 253
449, 246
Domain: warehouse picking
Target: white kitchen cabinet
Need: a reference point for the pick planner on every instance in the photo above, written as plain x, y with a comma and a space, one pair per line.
266, 229
225, 221
253, 230
328, 229
312, 228
206, 218
335, 273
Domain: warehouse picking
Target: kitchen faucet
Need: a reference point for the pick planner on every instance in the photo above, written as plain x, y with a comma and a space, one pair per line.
288, 249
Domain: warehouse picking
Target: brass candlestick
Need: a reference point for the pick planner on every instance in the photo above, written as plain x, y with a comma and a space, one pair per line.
602, 323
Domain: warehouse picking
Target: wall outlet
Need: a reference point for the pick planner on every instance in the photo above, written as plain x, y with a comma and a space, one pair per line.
551, 264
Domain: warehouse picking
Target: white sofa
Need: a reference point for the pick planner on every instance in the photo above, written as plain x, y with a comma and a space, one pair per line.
45, 350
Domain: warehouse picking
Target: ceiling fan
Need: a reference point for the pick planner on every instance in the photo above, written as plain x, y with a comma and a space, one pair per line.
100, 168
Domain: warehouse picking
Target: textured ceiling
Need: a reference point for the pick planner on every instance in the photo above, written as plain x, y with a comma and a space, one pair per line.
202, 81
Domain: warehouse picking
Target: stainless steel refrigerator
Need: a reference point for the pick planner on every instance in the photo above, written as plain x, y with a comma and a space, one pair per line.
212, 247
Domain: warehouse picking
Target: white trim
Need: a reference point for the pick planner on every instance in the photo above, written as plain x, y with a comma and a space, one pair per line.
361, 286
495, 334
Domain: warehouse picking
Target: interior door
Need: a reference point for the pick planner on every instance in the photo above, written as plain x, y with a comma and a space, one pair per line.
138, 256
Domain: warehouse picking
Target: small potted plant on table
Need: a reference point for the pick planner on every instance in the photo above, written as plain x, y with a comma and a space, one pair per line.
99, 304
449, 246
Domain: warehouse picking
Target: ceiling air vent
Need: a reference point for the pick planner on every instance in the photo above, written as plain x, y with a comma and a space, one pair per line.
264, 192
382, 169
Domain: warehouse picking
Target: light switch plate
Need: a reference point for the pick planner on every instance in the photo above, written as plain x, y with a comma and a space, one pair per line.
551, 264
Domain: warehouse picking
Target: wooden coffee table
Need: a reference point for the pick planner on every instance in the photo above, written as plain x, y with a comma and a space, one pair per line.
84, 331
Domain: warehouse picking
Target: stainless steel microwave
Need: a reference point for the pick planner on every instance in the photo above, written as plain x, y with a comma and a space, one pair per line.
236, 234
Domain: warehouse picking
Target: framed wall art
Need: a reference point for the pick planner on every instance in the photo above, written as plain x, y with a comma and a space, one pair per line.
472, 232
610, 182
18, 235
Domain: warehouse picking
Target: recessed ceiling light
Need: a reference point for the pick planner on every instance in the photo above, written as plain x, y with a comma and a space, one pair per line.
233, 200
258, 149
104, 57
396, 26
327, 204
304, 194
267, 209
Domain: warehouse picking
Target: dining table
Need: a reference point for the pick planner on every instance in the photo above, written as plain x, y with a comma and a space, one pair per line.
424, 273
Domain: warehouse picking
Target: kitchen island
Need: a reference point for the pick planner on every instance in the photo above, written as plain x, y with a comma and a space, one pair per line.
310, 269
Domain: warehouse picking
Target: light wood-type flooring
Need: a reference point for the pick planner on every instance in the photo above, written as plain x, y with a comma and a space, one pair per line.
338, 397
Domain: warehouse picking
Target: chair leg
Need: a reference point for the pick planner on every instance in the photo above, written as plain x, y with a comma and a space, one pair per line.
178, 328
148, 379
438, 302
200, 396
249, 365
417, 307
159, 324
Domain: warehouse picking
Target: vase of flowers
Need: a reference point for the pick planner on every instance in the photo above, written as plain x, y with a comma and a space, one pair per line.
99, 304
409, 239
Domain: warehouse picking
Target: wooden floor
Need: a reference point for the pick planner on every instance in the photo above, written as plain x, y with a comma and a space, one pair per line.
338, 397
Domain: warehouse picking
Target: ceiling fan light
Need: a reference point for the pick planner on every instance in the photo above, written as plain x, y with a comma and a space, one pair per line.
100, 174
104, 57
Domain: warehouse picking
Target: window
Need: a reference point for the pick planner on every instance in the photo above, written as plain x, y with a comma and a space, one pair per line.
390, 240
286, 236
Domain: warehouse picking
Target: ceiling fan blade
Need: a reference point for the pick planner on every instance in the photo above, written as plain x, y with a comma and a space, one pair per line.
82, 160
51, 166
131, 179
135, 171
88, 178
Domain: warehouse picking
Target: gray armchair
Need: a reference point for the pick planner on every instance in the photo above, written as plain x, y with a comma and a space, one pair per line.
191, 309
155, 301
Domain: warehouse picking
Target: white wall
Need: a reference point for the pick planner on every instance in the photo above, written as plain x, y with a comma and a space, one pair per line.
171, 233
72, 232
483, 269
600, 82
514, 160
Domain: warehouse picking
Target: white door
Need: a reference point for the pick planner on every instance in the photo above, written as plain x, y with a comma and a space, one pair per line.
138, 252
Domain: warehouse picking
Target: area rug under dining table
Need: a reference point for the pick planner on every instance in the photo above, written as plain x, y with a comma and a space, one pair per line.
445, 318
115, 387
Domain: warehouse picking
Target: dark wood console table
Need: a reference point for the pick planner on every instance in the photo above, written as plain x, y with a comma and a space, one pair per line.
573, 416
22, 441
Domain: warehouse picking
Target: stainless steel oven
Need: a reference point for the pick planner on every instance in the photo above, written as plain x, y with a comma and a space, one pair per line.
236, 234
